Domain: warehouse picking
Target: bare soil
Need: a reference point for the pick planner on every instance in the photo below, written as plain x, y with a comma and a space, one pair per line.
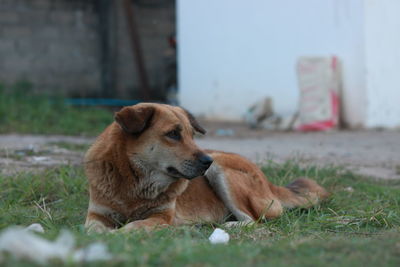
370, 153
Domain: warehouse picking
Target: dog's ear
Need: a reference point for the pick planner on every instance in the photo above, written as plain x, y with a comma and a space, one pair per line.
134, 120
195, 124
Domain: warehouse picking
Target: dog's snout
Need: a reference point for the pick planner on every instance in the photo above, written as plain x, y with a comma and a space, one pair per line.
205, 160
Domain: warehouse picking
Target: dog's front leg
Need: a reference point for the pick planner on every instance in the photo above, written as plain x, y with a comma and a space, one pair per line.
155, 220
96, 223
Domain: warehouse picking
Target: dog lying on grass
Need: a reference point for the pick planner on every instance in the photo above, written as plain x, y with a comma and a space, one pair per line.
145, 170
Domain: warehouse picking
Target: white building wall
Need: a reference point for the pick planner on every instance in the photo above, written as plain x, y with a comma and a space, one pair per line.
233, 53
382, 40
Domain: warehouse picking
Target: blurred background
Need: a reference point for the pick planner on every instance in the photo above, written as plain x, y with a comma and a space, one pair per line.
223, 60
89, 48
302, 88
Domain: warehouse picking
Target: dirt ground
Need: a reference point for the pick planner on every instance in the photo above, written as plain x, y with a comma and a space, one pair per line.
370, 153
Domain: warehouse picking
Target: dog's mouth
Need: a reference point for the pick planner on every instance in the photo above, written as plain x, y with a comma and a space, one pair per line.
173, 172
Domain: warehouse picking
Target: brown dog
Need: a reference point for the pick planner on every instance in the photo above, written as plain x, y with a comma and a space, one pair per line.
145, 170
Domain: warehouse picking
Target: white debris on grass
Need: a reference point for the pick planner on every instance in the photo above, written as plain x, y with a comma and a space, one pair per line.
35, 227
219, 236
93, 252
23, 243
39, 159
349, 189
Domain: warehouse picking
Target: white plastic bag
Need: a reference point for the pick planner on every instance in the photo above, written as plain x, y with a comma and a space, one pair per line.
319, 83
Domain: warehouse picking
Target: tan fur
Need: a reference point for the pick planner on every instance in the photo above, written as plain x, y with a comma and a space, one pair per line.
141, 177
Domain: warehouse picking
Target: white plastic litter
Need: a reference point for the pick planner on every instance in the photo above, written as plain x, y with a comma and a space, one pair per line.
349, 189
262, 115
219, 236
258, 112
35, 227
40, 159
93, 252
24, 243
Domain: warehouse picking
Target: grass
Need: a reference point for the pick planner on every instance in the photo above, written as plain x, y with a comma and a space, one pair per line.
357, 226
23, 111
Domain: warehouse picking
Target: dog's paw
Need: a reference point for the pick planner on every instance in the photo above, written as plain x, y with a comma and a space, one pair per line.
136, 225
95, 227
145, 225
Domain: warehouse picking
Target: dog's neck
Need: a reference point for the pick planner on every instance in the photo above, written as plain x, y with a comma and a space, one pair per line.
150, 183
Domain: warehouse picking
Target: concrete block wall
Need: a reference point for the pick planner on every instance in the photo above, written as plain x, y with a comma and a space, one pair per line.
155, 22
55, 44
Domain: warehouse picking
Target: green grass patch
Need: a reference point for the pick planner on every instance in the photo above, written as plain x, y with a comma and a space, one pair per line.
23, 111
357, 226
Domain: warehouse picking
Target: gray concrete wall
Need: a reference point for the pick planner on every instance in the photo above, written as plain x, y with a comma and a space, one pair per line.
55, 44
155, 22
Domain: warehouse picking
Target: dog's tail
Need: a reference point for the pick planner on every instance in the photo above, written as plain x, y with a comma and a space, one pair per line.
302, 192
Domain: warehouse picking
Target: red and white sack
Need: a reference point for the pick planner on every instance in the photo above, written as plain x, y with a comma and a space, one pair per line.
319, 83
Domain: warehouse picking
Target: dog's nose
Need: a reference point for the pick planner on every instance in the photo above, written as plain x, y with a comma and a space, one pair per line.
205, 160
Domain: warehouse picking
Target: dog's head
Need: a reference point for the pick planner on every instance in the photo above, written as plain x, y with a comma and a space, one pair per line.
159, 138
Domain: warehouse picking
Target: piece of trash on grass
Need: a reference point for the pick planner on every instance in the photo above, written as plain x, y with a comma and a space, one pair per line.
40, 159
219, 236
349, 189
23, 243
30, 150
93, 252
35, 227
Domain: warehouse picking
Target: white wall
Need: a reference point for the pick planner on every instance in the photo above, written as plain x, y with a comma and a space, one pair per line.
232, 53
382, 39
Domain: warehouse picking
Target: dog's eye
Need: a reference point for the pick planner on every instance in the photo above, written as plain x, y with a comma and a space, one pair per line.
174, 134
